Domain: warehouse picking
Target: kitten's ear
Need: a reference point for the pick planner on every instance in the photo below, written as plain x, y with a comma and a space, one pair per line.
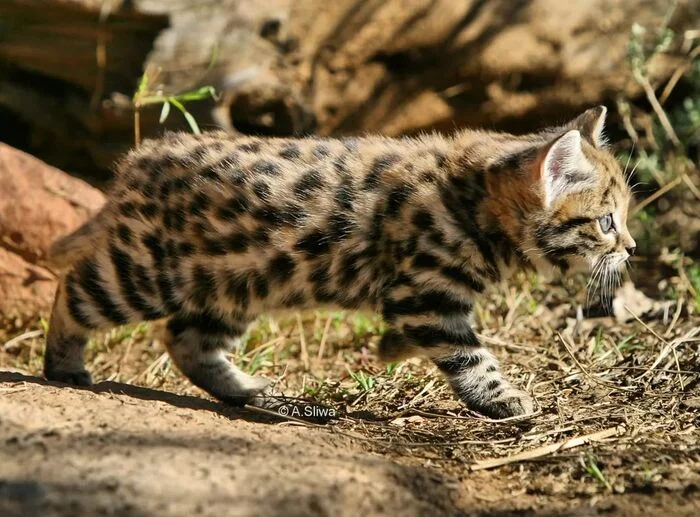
565, 169
591, 124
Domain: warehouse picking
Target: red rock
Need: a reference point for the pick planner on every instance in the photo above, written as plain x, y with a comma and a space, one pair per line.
38, 204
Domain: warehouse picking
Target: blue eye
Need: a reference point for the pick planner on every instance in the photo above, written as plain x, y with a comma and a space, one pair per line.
606, 223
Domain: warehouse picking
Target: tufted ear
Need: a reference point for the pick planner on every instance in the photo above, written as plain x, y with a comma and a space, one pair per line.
591, 124
565, 169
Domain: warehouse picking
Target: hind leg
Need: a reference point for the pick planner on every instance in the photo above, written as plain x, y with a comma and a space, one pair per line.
95, 294
65, 342
69, 328
197, 344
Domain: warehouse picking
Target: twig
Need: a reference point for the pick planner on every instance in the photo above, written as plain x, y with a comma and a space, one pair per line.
651, 96
546, 450
680, 71
324, 337
688, 338
302, 343
676, 316
663, 340
656, 195
17, 339
589, 375
691, 185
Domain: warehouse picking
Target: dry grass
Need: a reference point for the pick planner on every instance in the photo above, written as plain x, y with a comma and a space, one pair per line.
619, 402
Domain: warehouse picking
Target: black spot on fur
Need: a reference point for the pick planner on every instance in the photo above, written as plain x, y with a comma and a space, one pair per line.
149, 210
425, 261
148, 190
378, 167
237, 289
281, 268
250, 147
261, 236
165, 189
125, 234
155, 247
127, 208
423, 219
199, 204
186, 249
314, 244
214, 247
262, 189
309, 182
321, 151
345, 194
237, 242
269, 215
174, 218
340, 165
233, 207
440, 159
428, 177
180, 184
340, 227
290, 152
293, 214
397, 197
266, 168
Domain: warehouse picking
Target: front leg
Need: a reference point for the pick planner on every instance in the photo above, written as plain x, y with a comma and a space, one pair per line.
438, 326
475, 378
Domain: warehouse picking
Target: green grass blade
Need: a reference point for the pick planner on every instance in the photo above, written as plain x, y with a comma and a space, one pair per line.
164, 112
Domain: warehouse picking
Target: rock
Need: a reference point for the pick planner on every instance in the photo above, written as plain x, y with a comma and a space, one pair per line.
38, 204
25, 288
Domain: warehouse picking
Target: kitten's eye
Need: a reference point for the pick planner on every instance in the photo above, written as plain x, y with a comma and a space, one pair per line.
606, 223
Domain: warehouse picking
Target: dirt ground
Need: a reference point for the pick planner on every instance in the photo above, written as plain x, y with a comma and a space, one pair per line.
616, 432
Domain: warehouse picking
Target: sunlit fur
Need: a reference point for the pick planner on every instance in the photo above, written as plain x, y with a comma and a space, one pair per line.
212, 230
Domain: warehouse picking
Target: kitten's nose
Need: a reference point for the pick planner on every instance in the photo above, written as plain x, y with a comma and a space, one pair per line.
631, 250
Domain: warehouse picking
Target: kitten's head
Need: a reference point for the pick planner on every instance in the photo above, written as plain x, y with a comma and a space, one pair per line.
582, 200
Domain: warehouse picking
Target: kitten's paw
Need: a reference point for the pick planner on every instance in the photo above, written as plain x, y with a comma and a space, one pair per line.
512, 402
77, 378
253, 390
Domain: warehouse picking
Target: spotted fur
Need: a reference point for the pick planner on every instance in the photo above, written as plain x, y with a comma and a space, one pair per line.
212, 230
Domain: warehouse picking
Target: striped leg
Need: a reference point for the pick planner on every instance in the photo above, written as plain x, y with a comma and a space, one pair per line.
197, 345
100, 292
437, 325
66, 339
474, 376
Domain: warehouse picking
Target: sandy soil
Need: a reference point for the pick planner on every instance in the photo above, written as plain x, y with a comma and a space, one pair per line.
117, 449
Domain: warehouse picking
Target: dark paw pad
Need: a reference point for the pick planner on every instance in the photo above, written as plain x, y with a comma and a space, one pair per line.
79, 378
